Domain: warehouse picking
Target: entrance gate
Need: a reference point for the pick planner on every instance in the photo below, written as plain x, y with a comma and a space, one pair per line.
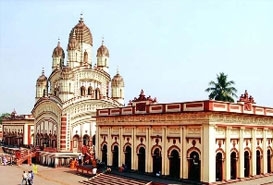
194, 167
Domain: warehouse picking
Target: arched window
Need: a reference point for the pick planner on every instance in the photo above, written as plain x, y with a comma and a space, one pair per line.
90, 90
82, 91
97, 94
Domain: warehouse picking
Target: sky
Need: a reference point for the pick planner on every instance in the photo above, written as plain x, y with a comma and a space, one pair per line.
170, 49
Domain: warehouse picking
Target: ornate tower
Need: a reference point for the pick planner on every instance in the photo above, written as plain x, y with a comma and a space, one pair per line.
117, 87
41, 86
103, 57
58, 56
80, 45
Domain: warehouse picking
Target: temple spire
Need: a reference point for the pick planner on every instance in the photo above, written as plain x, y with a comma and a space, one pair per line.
81, 17
117, 69
102, 40
59, 42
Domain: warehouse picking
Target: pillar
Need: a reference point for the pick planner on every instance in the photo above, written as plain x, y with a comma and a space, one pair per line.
253, 151
109, 149
121, 144
208, 159
241, 153
98, 153
133, 149
227, 151
148, 156
56, 162
183, 158
264, 147
165, 159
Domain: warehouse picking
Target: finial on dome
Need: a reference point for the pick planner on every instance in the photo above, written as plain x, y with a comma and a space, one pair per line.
43, 71
102, 41
81, 17
59, 42
117, 69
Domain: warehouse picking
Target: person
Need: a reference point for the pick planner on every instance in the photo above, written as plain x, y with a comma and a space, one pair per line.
30, 177
80, 159
11, 160
5, 161
35, 168
24, 178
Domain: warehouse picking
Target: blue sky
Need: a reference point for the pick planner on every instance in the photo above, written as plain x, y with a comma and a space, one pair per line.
170, 49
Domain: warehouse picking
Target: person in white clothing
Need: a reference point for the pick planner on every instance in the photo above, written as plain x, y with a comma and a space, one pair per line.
24, 178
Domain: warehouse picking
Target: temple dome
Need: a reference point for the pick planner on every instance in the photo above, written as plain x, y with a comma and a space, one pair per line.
42, 78
58, 51
81, 33
117, 81
102, 51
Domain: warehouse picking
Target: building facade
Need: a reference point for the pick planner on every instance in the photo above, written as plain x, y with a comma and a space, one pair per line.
205, 141
67, 100
18, 130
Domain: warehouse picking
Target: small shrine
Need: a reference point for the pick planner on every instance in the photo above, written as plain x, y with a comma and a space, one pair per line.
246, 100
141, 102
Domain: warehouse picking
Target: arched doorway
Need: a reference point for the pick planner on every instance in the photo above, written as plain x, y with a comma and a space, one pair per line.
219, 166
94, 139
194, 167
85, 140
174, 164
141, 160
246, 163
54, 143
128, 157
233, 165
268, 161
258, 162
75, 144
104, 154
157, 161
115, 157
82, 91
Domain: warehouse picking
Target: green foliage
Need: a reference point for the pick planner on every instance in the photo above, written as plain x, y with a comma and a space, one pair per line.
222, 89
3, 115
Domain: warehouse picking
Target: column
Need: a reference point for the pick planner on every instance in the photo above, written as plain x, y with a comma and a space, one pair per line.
227, 151
148, 156
109, 149
164, 154
134, 152
183, 159
241, 153
253, 151
98, 154
264, 159
120, 152
25, 134
208, 159
56, 162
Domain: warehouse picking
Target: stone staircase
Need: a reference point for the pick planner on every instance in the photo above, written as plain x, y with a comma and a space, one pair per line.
112, 179
25, 155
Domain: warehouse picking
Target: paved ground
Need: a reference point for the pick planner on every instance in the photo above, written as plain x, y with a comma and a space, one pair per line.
12, 175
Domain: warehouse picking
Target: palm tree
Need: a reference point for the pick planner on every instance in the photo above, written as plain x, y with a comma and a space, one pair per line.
222, 89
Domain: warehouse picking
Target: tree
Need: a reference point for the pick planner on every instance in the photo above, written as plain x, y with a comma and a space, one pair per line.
3, 115
222, 89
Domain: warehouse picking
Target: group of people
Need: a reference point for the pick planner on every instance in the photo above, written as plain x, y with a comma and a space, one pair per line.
4, 160
27, 178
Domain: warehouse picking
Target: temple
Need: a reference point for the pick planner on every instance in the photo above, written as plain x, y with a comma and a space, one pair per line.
80, 115
205, 141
